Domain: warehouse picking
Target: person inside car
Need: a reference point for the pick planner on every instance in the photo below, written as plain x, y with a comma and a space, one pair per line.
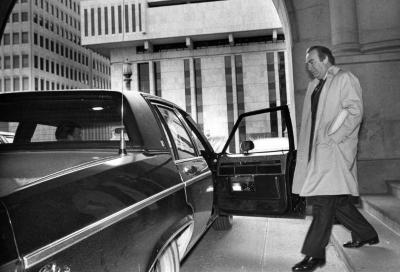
69, 131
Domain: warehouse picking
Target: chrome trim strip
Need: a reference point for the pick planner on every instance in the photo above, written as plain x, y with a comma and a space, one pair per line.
47, 251
69, 170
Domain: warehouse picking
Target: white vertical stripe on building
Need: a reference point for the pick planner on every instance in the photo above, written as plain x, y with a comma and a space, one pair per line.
235, 102
151, 78
108, 19
96, 29
137, 14
192, 90
144, 15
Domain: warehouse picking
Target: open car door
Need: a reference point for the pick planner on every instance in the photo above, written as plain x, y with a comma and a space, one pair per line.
255, 168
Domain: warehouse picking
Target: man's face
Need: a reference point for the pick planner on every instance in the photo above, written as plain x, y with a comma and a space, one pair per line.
315, 66
76, 135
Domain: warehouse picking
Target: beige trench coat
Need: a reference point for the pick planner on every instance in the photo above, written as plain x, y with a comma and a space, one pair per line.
332, 169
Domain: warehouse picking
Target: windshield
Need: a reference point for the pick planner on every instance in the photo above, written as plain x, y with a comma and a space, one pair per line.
63, 118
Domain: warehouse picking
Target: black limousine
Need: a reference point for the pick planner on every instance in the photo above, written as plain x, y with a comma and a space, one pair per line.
111, 181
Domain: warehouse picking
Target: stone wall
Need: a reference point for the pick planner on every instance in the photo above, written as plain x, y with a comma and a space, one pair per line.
365, 38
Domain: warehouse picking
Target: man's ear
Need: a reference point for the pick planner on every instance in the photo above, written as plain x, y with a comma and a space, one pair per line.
325, 60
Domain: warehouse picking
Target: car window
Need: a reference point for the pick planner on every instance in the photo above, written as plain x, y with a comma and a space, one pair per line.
181, 138
267, 131
61, 119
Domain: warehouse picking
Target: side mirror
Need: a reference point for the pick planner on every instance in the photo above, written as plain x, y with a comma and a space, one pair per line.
246, 146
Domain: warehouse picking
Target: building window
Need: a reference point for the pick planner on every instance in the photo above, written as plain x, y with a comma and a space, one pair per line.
57, 69
52, 67
25, 83
157, 78
47, 43
119, 19
272, 92
36, 84
42, 84
42, 64
7, 62
126, 10
15, 17
47, 85
15, 38
188, 94
112, 20
24, 16
7, 84
133, 18
16, 84
144, 82
25, 37
99, 21
41, 41
25, 61
47, 65
140, 17
35, 38
198, 92
6, 39
92, 20
106, 21
35, 62
86, 23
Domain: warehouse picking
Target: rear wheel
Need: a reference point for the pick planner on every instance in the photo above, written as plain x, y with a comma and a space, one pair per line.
223, 222
169, 259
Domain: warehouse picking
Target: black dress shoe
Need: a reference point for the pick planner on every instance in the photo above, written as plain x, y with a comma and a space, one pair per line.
357, 244
309, 264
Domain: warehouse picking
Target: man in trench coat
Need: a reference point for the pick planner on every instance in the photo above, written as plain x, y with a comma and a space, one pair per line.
326, 170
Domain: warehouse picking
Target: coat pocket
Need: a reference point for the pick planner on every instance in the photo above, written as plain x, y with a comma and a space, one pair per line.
324, 157
348, 151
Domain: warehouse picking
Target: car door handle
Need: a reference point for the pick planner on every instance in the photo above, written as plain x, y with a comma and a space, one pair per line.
190, 170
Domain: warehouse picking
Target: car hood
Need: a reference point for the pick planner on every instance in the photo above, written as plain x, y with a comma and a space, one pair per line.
19, 169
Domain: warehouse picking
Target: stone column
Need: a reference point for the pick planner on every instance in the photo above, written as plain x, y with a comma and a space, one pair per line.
344, 26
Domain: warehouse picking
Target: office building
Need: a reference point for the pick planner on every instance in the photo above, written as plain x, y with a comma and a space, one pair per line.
215, 59
41, 50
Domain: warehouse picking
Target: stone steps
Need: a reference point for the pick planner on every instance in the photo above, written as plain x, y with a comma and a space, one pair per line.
383, 212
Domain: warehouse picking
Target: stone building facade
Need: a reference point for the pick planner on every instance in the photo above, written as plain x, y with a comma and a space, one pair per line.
365, 38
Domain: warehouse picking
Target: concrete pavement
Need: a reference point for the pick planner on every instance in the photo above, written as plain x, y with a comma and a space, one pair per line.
255, 245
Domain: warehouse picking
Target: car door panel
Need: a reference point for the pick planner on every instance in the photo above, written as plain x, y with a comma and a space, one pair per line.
259, 183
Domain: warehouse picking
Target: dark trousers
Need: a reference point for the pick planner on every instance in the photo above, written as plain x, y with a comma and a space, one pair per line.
325, 210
